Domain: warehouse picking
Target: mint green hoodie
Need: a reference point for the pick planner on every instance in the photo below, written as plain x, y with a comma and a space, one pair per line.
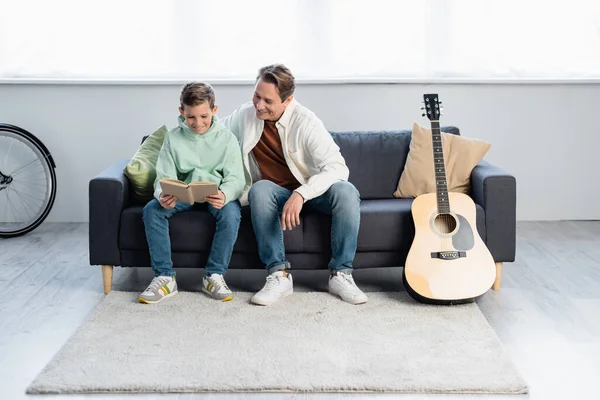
212, 157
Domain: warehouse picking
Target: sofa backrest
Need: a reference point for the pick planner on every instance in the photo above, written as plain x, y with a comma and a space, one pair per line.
376, 159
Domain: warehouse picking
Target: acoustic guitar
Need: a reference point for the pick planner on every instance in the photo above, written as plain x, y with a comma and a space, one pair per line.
448, 262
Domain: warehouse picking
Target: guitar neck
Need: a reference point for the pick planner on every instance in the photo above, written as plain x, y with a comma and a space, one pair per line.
441, 185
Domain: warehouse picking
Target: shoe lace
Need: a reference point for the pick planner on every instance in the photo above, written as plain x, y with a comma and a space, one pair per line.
273, 280
219, 281
346, 280
157, 282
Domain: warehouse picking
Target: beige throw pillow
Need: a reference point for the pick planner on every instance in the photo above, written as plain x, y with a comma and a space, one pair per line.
461, 155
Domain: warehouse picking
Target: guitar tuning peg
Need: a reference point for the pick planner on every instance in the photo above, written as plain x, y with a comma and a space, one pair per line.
422, 115
422, 108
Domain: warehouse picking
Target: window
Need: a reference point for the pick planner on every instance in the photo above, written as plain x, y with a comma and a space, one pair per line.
317, 39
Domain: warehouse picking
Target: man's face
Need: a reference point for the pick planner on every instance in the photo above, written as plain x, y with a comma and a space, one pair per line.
267, 102
198, 117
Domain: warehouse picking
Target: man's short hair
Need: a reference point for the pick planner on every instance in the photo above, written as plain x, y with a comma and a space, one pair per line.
281, 77
195, 93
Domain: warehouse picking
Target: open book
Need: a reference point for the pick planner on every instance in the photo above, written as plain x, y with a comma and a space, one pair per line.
191, 193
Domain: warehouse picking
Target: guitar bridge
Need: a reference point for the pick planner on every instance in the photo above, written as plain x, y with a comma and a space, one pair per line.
448, 255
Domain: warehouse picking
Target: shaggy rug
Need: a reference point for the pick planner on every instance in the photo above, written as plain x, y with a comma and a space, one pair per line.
308, 342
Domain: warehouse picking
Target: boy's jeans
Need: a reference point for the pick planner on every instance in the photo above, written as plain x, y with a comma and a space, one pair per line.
156, 223
341, 201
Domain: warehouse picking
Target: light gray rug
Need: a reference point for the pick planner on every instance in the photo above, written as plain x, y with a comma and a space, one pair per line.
308, 342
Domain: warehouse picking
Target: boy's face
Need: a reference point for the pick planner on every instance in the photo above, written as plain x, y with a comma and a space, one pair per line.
198, 117
267, 102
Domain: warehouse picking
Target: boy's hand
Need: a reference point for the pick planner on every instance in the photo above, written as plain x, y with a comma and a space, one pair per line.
167, 201
290, 216
216, 200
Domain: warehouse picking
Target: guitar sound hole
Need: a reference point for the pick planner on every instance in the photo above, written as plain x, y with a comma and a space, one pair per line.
445, 223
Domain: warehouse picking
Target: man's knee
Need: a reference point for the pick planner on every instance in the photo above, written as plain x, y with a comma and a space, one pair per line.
345, 191
261, 192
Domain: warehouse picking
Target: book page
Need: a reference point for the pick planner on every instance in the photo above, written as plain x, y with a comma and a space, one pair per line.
182, 192
174, 181
202, 189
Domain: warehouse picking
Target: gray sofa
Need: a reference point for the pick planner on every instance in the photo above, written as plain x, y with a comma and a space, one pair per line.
375, 159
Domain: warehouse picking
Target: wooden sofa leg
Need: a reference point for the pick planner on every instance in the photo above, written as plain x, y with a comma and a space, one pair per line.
496, 285
107, 275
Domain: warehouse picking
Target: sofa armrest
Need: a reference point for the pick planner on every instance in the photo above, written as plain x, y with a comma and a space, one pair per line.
496, 191
108, 196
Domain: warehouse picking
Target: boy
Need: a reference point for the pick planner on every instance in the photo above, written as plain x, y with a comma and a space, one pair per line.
200, 148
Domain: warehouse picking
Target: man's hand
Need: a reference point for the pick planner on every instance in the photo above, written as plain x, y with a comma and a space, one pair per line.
167, 201
216, 200
290, 216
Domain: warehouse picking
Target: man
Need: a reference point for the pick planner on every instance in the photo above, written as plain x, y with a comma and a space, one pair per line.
292, 162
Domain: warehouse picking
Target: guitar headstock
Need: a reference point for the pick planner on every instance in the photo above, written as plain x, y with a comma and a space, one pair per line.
432, 106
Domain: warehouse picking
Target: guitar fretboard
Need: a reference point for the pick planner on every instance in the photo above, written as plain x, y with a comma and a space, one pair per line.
441, 185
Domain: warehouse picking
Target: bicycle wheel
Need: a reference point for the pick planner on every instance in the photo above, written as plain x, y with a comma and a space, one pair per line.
27, 181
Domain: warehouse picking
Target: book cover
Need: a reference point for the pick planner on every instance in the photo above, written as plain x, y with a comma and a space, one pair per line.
191, 193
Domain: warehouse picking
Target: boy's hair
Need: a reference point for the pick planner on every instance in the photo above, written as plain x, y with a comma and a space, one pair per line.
281, 77
195, 93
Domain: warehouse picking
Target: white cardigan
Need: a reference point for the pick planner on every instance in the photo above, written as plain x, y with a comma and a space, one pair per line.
309, 150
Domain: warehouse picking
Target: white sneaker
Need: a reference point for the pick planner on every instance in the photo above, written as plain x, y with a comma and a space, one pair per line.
342, 284
216, 287
279, 284
160, 288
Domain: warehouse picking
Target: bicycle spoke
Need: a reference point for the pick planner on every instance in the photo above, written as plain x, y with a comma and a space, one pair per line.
30, 203
8, 153
12, 207
5, 218
29, 196
26, 206
32, 183
22, 202
2, 165
34, 176
14, 173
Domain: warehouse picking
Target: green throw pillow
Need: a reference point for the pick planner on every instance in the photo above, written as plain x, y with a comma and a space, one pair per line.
141, 170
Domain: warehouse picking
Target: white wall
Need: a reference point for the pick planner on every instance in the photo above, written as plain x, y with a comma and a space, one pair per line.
545, 135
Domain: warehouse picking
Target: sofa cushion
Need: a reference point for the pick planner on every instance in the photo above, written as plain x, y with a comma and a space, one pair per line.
376, 159
385, 225
193, 230
461, 155
141, 169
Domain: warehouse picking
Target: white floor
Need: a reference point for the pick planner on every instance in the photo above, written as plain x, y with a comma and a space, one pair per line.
547, 313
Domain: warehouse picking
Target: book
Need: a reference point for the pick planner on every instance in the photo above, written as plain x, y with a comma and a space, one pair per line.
191, 193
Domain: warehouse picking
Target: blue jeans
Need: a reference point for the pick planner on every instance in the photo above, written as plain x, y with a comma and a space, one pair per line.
156, 224
341, 201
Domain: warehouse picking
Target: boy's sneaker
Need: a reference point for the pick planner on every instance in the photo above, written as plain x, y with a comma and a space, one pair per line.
279, 284
160, 288
216, 287
342, 284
